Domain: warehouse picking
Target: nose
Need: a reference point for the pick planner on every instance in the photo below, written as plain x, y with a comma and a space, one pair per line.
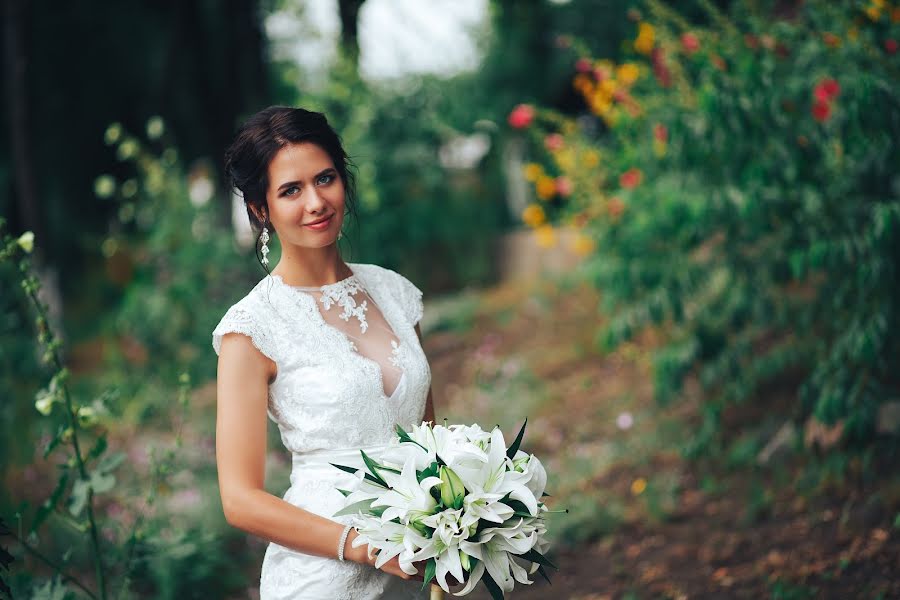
314, 202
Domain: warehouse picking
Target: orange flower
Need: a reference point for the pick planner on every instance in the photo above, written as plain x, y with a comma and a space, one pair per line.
532, 171
628, 73
583, 245
545, 187
638, 486
533, 215
615, 207
645, 38
631, 178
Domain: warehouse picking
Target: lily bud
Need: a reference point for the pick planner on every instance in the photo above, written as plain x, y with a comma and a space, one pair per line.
452, 489
464, 561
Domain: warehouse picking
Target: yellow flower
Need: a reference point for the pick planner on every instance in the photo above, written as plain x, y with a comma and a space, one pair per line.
545, 236
591, 159
582, 83
600, 104
645, 39
583, 245
565, 158
533, 171
638, 486
545, 187
659, 148
608, 86
628, 73
874, 12
533, 215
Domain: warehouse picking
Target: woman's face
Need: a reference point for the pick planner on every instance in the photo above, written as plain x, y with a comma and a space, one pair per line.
304, 187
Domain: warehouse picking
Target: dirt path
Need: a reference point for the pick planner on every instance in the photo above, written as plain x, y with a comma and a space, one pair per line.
644, 523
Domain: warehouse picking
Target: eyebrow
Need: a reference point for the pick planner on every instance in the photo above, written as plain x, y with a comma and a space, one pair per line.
317, 175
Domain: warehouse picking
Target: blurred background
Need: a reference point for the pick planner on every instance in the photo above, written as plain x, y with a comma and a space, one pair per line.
666, 233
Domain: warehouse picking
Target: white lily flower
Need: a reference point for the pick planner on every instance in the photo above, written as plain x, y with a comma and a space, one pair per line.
407, 499
493, 477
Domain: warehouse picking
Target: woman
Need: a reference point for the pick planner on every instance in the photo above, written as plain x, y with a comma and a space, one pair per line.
329, 350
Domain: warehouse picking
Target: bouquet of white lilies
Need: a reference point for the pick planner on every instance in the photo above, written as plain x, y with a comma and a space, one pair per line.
457, 498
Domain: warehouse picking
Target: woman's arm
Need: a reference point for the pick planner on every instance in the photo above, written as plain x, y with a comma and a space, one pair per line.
242, 385
429, 402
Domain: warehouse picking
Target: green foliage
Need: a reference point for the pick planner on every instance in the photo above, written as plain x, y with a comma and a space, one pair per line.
760, 227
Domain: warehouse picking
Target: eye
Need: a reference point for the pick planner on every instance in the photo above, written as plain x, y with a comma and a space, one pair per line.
329, 177
287, 190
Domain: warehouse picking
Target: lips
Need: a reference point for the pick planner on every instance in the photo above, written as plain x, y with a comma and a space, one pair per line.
320, 221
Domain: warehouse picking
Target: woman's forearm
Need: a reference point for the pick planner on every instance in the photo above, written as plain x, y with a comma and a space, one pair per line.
271, 518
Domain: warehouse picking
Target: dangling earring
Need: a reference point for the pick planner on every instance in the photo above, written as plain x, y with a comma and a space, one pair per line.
265, 246
340, 234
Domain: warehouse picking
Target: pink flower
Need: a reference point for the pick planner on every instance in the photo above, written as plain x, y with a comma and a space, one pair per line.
554, 141
660, 132
521, 116
583, 65
689, 42
563, 186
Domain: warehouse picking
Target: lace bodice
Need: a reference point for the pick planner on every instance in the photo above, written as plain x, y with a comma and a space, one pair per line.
349, 362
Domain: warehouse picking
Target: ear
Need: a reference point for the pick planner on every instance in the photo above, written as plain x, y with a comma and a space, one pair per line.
260, 214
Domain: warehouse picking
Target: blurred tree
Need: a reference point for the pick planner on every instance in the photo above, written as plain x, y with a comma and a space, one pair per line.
198, 64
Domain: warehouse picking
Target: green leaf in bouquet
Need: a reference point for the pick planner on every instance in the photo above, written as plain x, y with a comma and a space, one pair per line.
514, 447
536, 557
491, 585
404, 437
344, 492
353, 470
352, 509
373, 468
543, 573
430, 568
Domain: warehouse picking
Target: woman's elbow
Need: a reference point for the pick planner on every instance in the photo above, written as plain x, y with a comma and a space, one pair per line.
234, 506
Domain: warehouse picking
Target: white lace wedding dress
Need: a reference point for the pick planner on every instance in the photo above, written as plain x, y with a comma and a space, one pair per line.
349, 367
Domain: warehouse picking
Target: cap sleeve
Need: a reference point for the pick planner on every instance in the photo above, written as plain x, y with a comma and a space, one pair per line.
241, 319
411, 298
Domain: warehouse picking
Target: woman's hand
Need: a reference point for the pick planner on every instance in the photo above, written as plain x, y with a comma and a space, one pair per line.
361, 555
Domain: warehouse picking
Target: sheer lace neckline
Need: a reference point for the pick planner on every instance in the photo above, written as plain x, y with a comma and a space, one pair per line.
345, 282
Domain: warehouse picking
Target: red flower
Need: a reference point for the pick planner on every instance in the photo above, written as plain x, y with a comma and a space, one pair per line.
826, 90
689, 42
521, 116
660, 132
631, 178
583, 65
821, 111
890, 46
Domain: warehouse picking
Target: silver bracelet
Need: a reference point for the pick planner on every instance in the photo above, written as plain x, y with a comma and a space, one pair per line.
343, 541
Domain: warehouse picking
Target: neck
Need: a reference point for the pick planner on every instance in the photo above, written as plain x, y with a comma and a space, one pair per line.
316, 267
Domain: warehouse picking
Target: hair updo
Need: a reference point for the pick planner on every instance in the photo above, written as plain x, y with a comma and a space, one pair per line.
261, 137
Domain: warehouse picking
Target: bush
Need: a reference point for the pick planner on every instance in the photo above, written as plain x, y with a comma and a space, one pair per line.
738, 187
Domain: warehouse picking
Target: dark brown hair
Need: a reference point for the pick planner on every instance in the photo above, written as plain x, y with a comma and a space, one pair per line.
261, 137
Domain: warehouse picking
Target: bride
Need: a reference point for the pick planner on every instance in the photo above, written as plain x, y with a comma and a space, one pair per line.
329, 350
